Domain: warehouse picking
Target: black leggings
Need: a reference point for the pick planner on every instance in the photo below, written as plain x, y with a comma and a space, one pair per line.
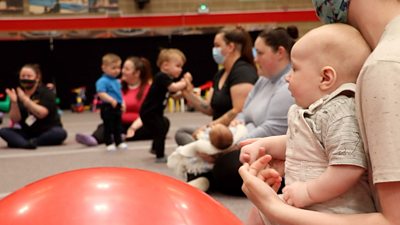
112, 124
160, 126
224, 177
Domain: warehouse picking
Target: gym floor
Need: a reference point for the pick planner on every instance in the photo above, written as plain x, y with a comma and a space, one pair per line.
21, 167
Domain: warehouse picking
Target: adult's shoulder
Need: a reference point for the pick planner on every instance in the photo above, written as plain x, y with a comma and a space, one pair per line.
243, 72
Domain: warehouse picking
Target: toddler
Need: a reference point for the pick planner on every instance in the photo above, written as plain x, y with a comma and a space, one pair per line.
108, 89
170, 61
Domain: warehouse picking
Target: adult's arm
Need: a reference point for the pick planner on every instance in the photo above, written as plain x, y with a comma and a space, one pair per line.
39, 111
200, 104
14, 113
239, 94
138, 123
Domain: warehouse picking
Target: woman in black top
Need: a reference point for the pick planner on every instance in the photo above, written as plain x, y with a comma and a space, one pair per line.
34, 109
231, 85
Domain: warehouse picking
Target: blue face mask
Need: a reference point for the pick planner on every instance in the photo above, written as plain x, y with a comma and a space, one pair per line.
332, 11
254, 52
217, 55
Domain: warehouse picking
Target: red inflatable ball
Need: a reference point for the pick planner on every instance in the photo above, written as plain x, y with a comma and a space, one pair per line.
112, 196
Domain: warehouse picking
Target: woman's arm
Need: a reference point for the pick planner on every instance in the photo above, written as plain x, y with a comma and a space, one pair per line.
239, 93
197, 102
14, 113
34, 108
134, 127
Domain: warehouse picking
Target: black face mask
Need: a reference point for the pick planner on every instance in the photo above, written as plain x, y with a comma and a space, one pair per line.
27, 84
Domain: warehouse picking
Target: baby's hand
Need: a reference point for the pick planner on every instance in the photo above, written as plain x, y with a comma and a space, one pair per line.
188, 77
251, 150
114, 103
296, 194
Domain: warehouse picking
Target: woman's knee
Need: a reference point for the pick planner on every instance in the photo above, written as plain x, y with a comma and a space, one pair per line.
226, 174
6, 132
56, 135
183, 136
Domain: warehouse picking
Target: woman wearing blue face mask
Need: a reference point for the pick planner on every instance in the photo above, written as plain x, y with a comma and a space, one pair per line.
377, 106
34, 110
265, 109
231, 85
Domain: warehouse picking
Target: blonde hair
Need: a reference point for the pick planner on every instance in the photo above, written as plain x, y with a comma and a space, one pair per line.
169, 53
110, 58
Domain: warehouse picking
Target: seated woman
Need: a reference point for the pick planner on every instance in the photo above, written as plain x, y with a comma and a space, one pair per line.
136, 77
265, 109
231, 84
34, 108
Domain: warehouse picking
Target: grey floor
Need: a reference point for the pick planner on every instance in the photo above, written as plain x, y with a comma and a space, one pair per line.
21, 167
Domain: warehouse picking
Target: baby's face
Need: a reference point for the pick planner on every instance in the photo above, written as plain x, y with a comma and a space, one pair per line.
173, 66
112, 69
304, 78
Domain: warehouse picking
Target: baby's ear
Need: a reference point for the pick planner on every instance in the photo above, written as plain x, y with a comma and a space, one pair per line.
328, 77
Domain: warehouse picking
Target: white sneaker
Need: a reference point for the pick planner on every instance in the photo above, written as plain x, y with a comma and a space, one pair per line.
111, 148
201, 183
123, 146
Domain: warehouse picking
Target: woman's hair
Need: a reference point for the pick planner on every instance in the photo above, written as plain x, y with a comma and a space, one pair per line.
35, 67
279, 36
143, 65
242, 40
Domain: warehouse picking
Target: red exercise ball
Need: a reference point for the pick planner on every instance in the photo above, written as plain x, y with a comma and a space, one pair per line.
112, 196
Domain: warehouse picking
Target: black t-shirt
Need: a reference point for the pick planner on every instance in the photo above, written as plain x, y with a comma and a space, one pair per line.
44, 97
157, 97
221, 101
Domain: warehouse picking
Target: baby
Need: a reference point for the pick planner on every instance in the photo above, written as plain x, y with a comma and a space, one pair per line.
325, 162
212, 141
